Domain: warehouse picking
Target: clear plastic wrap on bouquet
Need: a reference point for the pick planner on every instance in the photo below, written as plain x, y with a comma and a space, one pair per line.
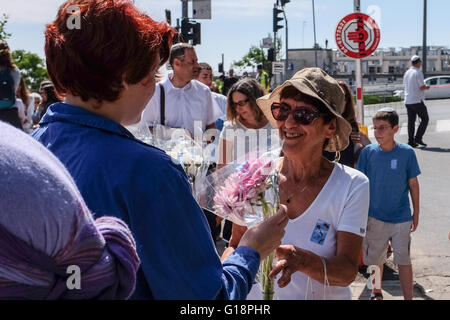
245, 191
178, 144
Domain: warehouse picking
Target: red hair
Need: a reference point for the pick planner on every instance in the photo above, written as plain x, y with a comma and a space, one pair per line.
116, 42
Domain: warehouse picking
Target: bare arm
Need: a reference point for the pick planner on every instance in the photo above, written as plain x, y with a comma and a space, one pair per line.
341, 269
414, 192
224, 157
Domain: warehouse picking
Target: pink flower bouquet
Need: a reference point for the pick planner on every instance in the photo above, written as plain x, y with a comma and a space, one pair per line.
248, 196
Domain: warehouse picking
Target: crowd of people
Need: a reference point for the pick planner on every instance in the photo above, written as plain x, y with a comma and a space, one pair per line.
125, 213
18, 106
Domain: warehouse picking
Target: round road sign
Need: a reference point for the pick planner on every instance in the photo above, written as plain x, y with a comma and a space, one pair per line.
357, 35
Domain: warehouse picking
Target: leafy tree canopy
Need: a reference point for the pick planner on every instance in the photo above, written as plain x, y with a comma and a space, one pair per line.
3, 34
31, 67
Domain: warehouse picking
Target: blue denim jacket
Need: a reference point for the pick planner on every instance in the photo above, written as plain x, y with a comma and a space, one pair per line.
121, 176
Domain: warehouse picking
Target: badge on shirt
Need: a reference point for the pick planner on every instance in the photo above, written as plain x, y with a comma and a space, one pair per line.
320, 232
394, 164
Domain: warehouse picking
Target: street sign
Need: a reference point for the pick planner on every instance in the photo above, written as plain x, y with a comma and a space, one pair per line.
201, 9
277, 67
357, 35
267, 42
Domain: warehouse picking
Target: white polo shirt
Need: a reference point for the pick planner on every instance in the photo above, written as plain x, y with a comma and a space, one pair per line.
412, 81
183, 106
221, 101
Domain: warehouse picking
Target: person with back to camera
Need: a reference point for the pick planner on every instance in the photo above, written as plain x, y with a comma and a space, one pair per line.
120, 175
9, 82
392, 170
327, 202
46, 235
28, 101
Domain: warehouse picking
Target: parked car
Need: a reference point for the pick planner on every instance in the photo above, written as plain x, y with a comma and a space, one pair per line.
439, 87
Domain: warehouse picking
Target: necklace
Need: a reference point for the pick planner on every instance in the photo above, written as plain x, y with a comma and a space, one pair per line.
292, 194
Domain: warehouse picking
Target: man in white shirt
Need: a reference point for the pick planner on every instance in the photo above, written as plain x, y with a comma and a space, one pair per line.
187, 103
414, 95
205, 77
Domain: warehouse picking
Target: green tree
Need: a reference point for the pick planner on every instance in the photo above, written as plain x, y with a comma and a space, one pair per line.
32, 68
3, 34
255, 56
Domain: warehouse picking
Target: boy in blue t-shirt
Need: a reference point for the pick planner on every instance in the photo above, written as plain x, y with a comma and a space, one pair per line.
392, 170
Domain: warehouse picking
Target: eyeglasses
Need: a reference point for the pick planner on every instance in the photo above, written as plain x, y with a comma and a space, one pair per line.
240, 103
301, 115
381, 128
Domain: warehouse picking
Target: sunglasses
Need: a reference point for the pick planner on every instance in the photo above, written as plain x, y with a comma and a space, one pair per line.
301, 115
240, 103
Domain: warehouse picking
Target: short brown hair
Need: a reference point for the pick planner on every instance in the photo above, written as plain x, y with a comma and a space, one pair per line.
116, 43
178, 51
388, 115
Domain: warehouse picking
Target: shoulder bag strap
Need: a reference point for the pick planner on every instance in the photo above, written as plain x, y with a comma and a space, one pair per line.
162, 105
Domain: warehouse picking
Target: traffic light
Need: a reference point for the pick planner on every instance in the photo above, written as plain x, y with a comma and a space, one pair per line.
276, 12
221, 67
271, 54
190, 30
283, 2
168, 17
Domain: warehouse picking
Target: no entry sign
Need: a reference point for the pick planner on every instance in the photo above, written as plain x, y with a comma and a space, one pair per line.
357, 35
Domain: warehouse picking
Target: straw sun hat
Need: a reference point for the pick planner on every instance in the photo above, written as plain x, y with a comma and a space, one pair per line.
317, 84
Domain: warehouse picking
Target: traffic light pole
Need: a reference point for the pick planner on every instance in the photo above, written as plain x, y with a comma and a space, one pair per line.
184, 9
286, 67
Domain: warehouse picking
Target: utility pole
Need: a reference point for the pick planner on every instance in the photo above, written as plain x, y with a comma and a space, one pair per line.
314, 23
286, 65
184, 9
424, 47
359, 89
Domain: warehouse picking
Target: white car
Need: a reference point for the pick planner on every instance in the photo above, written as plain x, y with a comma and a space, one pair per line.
439, 87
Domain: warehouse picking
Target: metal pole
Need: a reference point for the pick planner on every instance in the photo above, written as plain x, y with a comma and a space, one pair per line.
184, 9
286, 67
223, 65
359, 89
314, 23
424, 48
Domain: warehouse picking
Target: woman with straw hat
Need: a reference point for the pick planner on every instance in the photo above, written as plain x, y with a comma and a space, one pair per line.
327, 202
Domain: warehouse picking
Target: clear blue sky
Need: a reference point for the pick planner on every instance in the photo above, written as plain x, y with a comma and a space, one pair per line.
238, 24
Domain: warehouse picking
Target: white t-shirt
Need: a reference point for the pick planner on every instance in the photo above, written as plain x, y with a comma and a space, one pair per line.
245, 140
183, 106
412, 81
221, 101
341, 205
21, 108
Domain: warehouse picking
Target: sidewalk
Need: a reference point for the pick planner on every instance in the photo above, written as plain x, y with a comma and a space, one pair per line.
430, 287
